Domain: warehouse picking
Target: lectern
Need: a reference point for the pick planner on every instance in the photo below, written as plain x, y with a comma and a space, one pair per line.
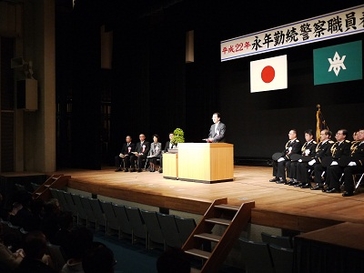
206, 162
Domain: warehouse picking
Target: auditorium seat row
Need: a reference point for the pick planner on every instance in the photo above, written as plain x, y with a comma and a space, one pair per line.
154, 229
274, 254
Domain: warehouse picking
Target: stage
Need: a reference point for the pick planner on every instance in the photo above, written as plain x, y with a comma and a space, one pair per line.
276, 205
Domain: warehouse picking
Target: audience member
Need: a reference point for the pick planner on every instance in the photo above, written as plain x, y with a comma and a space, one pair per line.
35, 247
50, 222
154, 152
65, 227
21, 214
173, 260
99, 258
9, 261
78, 241
125, 156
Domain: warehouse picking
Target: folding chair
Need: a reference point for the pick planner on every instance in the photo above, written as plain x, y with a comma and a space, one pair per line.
282, 241
282, 258
357, 184
256, 256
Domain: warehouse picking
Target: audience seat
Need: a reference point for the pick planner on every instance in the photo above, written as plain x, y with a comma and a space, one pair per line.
169, 230
154, 232
282, 258
137, 224
282, 241
112, 223
256, 256
122, 218
185, 227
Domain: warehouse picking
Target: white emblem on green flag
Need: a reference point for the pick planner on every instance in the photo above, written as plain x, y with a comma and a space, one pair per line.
338, 63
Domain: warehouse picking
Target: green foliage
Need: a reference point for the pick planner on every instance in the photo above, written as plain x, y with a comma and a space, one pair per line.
178, 136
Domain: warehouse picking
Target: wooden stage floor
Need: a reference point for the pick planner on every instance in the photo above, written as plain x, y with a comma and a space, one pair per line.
276, 205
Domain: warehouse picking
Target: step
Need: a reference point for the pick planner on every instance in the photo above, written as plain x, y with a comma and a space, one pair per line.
195, 270
219, 221
227, 207
199, 253
209, 236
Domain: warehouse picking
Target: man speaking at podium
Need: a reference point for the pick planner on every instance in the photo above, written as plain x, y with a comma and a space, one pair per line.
217, 130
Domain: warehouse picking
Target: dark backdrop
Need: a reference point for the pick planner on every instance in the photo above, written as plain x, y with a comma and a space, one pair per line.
153, 90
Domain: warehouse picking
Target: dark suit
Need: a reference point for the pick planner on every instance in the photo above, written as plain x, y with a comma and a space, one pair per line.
279, 168
323, 151
127, 150
357, 156
308, 151
142, 149
217, 133
333, 172
168, 146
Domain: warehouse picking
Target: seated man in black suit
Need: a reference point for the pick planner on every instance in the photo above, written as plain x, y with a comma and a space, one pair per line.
308, 151
356, 164
169, 144
293, 146
339, 151
125, 155
322, 159
141, 152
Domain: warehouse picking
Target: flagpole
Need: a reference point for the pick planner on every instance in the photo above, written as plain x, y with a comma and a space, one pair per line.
318, 122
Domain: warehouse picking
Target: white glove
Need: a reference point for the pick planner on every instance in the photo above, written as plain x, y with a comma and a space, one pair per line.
300, 160
307, 152
352, 163
334, 163
280, 159
311, 162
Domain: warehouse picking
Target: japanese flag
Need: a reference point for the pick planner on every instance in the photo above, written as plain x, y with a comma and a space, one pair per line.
268, 74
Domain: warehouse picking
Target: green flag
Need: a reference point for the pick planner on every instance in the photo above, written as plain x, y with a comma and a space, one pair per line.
338, 63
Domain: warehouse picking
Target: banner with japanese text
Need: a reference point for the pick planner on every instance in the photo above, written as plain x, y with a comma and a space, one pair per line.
329, 26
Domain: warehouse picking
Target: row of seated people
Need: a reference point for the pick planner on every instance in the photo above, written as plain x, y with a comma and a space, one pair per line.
321, 166
31, 253
133, 157
28, 226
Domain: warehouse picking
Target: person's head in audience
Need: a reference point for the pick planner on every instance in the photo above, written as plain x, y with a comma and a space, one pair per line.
77, 242
99, 258
173, 260
35, 245
66, 220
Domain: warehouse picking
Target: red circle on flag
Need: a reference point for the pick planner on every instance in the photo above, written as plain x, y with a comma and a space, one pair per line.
268, 74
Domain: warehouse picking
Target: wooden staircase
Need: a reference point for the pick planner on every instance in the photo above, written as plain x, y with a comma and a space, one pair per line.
57, 181
232, 219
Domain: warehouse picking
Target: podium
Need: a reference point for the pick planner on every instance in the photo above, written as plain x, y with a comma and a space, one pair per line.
170, 165
206, 162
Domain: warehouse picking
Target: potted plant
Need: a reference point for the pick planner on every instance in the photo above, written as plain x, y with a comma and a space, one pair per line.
178, 136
